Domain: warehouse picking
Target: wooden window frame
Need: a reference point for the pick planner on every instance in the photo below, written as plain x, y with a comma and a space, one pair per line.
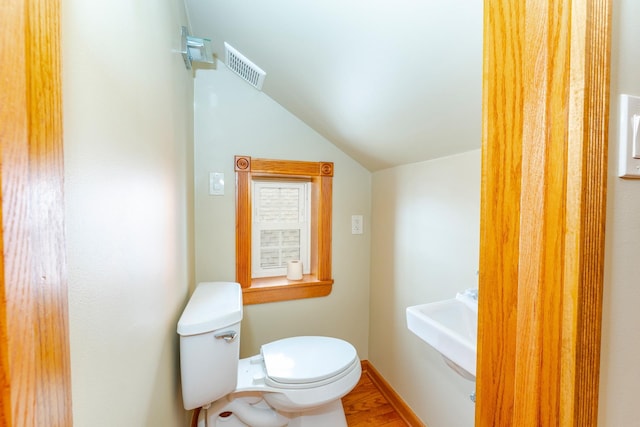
318, 282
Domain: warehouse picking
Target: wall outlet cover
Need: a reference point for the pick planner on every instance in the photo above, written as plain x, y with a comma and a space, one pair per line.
629, 160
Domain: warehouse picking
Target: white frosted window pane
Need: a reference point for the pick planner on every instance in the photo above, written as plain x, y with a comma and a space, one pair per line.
270, 238
278, 247
278, 204
290, 254
270, 258
281, 229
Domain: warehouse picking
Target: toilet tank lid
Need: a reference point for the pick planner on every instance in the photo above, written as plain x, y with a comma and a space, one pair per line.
212, 306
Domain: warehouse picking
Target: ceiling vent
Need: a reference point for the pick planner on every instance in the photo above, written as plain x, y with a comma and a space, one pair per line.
246, 69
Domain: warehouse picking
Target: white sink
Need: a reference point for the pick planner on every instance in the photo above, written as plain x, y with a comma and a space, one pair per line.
449, 326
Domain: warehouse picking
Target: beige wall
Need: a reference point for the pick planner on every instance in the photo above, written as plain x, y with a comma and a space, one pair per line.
425, 244
232, 118
620, 370
128, 157
129, 168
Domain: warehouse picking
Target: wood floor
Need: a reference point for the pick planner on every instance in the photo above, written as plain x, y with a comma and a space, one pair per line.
372, 402
366, 406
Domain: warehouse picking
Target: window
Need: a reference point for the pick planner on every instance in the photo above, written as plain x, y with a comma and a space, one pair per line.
280, 226
283, 212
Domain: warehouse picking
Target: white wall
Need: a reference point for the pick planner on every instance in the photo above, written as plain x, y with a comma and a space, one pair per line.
129, 172
425, 244
620, 371
232, 118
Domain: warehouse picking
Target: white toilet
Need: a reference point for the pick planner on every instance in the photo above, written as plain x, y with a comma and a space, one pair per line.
295, 382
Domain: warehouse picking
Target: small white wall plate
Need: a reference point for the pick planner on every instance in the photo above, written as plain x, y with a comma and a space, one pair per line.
629, 160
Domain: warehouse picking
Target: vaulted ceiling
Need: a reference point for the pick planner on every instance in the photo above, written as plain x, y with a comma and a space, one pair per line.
389, 82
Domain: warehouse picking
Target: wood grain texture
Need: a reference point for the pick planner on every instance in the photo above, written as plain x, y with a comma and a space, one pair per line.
403, 410
500, 203
587, 193
275, 289
243, 227
290, 168
13, 130
34, 330
374, 403
365, 406
545, 127
323, 213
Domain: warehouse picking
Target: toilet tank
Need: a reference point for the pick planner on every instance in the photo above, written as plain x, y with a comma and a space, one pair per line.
209, 330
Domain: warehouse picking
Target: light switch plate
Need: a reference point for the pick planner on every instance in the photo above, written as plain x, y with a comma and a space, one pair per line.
629, 160
216, 184
356, 224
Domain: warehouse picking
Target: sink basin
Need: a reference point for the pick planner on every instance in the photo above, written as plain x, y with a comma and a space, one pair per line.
449, 326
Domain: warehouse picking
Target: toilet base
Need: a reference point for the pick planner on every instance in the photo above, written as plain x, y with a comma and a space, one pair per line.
331, 414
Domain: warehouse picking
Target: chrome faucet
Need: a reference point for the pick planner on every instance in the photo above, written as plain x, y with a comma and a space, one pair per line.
472, 293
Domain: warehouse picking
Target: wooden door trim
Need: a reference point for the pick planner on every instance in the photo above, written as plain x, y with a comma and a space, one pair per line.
544, 162
34, 344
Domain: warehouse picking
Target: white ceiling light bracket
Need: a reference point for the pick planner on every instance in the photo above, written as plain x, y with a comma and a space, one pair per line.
195, 49
242, 66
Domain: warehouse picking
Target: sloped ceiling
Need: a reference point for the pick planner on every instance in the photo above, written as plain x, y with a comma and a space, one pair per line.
389, 82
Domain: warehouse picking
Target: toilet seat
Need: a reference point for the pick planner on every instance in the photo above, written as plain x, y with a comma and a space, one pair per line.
322, 385
307, 361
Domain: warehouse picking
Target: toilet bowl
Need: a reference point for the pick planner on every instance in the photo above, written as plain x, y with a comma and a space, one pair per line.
295, 382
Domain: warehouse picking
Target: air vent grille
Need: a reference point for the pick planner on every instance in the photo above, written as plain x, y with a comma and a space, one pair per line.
246, 69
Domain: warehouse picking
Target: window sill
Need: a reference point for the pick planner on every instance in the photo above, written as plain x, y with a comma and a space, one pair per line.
273, 289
